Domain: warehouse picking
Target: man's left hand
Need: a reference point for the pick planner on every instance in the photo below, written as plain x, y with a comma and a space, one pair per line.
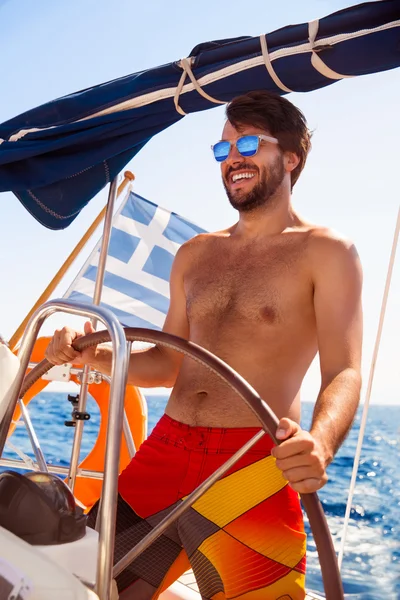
300, 457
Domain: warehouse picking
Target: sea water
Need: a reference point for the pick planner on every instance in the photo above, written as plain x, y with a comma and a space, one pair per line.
371, 566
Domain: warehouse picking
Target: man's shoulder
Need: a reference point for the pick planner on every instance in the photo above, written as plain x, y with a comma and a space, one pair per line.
195, 247
203, 239
326, 240
330, 251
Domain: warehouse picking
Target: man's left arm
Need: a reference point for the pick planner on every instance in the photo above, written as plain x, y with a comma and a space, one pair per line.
337, 279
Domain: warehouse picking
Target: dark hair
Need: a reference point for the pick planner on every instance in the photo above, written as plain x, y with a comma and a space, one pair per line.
277, 115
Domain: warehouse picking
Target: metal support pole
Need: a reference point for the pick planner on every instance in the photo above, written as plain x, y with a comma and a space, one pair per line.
130, 443
77, 442
12, 463
176, 512
33, 437
125, 426
114, 429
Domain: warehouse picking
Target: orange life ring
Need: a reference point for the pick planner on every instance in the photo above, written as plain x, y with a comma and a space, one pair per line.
88, 490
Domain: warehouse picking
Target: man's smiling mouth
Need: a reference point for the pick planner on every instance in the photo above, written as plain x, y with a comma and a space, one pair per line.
242, 175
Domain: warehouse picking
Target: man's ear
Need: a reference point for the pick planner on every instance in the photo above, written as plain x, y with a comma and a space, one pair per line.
291, 161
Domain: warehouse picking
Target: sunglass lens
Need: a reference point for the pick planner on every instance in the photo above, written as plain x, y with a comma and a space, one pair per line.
221, 151
247, 145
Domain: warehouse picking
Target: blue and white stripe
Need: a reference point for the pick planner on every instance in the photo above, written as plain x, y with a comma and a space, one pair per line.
144, 240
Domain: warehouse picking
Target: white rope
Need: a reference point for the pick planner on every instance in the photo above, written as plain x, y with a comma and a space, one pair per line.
268, 64
369, 389
178, 93
230, 70
22, 133
185, 64
316, 61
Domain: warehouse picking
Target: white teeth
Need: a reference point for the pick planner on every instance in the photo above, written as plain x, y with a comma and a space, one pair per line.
242, 176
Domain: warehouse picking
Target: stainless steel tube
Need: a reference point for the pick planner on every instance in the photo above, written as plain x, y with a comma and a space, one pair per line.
11, 463
114, 429
128, 437
33, 437
125, 425
130, 443
77, 442
176, 513
101, 267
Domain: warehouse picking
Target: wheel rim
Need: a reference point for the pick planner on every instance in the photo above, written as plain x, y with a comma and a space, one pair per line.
268, 420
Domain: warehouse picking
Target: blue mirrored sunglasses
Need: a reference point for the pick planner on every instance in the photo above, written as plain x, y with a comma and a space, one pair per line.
247, 145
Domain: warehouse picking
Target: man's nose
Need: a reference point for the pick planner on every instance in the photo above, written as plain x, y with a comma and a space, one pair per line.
234, 155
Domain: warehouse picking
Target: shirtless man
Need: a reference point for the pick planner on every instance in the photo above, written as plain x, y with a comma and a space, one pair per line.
264, 295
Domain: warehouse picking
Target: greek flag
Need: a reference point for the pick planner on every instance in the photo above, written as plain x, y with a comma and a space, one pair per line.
144, 240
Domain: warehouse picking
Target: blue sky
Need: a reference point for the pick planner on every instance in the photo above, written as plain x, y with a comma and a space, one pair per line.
49, 49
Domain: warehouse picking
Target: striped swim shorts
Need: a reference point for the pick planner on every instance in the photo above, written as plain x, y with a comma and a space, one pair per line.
244, 538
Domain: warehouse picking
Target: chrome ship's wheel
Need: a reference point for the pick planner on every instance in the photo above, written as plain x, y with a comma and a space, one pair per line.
268, 420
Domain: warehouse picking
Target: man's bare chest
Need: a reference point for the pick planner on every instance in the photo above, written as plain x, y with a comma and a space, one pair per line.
263, 287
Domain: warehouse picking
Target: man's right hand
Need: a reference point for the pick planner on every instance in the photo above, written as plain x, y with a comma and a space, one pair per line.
60, 349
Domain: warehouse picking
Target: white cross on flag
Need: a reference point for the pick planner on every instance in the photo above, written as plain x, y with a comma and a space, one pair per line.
144, 240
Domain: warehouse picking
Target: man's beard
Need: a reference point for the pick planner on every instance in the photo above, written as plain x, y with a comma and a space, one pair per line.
269, 182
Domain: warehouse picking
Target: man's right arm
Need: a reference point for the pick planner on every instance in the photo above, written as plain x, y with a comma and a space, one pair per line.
154, 367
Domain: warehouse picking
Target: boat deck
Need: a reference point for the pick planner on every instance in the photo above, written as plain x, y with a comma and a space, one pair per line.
189, 580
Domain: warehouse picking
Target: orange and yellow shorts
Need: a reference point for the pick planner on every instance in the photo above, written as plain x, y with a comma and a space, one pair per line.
244, 538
